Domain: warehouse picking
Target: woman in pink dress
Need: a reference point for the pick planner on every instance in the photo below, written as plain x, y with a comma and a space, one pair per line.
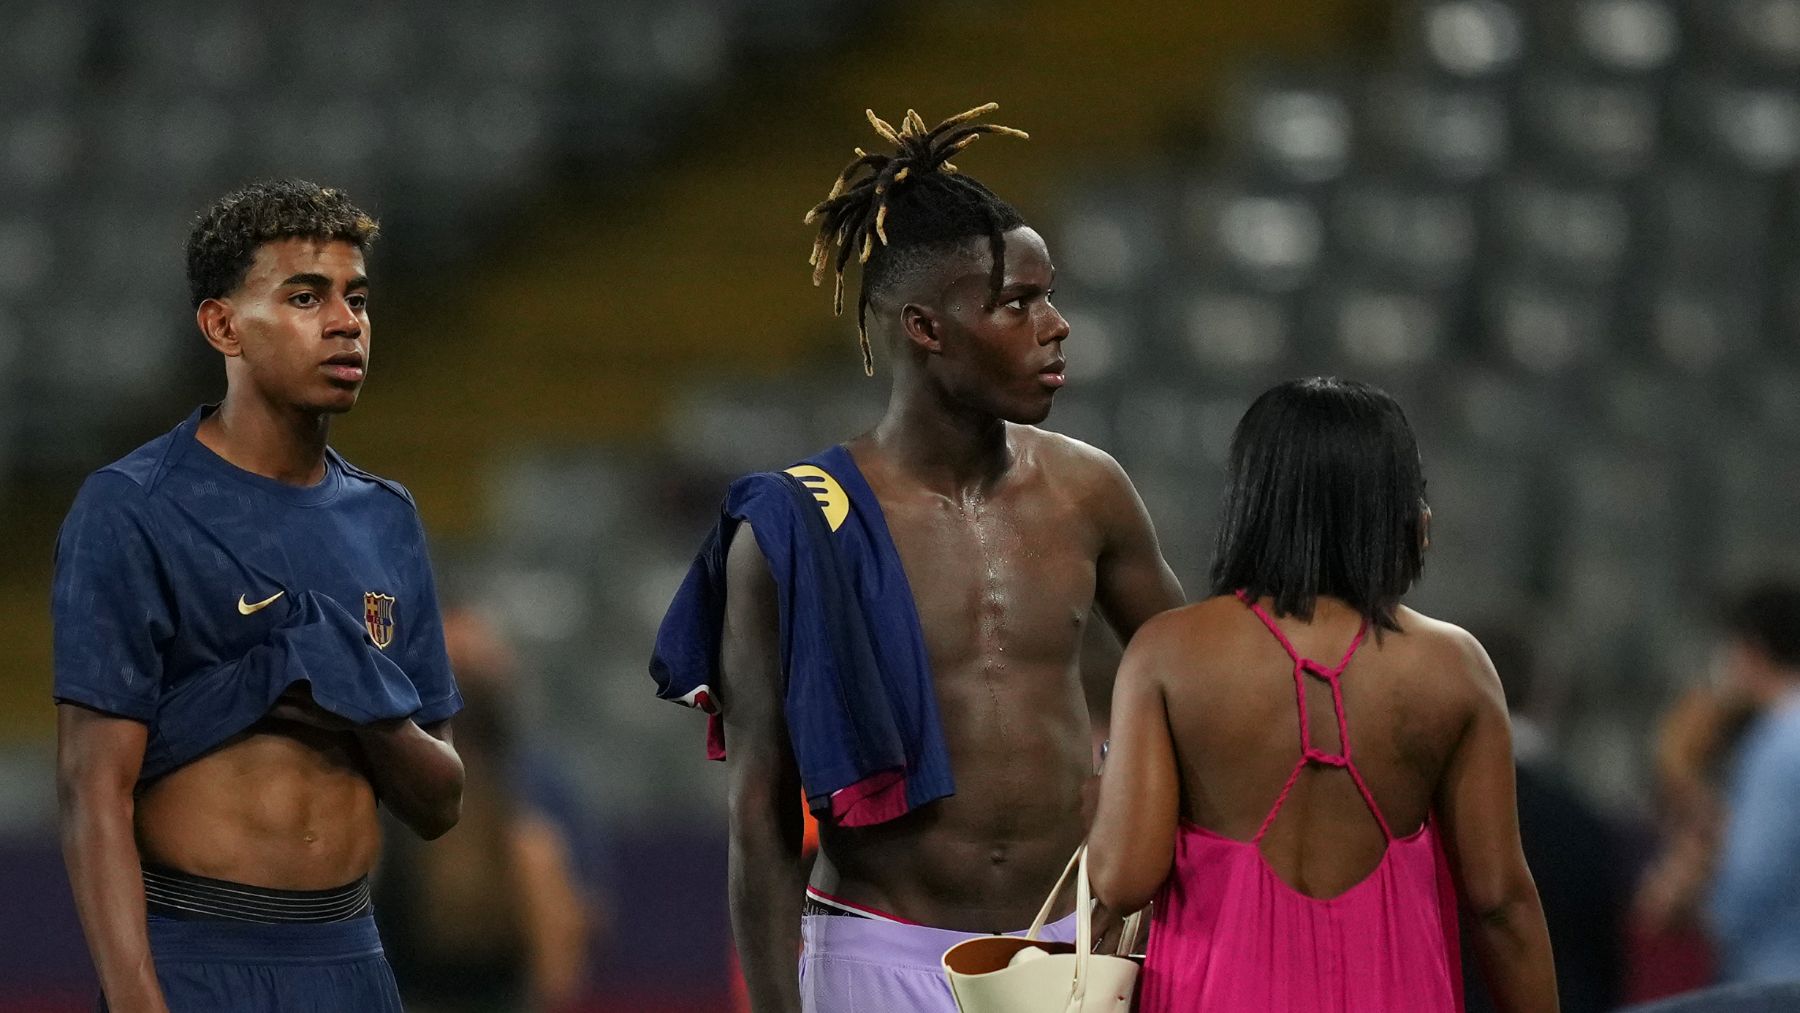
1299, 864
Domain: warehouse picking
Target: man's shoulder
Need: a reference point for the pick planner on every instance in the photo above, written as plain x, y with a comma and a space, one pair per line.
1070, 461
143, 469
384, 490
125, 491
1058, 448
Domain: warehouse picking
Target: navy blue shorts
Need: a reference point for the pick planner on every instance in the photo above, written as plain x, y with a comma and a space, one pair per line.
218, 966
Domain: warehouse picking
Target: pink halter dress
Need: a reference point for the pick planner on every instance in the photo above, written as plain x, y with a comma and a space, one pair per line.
1229, 934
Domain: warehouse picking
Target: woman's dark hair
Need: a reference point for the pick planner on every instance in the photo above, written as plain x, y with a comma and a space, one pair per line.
1326, 496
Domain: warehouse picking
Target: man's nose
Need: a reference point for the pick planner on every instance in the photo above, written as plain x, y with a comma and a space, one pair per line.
342, 319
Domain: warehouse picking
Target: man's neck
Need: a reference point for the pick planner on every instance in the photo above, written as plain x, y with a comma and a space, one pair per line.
285, 445
943, 446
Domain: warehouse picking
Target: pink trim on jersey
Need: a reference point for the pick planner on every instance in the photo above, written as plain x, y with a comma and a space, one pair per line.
874, 799
715, 737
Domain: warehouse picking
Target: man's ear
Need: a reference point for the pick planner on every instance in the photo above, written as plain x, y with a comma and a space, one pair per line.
921, 326
218, 324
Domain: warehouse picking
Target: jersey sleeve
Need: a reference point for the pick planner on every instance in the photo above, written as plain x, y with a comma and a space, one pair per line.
110, 605
427, 663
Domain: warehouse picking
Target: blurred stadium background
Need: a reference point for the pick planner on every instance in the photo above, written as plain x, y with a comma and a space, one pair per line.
1561, 231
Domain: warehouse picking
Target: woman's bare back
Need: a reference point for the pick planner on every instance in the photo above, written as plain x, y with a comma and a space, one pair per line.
1235, 723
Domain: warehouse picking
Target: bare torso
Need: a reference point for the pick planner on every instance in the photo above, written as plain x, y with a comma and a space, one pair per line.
284, 805
1004, 581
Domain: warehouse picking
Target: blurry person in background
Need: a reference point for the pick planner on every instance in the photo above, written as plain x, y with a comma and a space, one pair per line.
1671, 949
899, 620
249, 656
1575, 855
1307, 875
494, 918
1754, 903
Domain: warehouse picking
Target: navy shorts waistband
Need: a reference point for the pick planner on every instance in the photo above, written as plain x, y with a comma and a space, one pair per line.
175, 940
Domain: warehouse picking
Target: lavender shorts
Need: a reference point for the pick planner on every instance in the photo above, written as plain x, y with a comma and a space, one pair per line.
866, 965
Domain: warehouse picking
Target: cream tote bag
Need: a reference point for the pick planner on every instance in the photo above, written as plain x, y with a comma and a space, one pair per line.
1071, 979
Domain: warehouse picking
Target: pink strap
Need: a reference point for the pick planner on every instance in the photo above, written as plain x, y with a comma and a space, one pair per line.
1308, 752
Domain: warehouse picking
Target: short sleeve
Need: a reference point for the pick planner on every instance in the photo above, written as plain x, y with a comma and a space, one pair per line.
426, 661
109, 605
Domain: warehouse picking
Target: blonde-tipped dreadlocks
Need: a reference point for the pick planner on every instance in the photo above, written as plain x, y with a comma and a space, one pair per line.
934, 203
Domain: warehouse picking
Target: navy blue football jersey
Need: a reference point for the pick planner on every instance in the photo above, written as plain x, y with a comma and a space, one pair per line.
190, 594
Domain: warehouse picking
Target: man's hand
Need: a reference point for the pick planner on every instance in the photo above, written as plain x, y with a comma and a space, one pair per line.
416, 773
1108, 927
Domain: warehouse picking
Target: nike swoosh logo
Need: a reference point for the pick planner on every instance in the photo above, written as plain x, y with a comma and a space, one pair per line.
245, 608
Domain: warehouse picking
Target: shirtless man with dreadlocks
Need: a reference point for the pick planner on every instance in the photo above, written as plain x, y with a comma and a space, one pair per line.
1009, 537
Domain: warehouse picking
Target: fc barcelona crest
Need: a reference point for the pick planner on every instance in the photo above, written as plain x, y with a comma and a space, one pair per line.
378, 617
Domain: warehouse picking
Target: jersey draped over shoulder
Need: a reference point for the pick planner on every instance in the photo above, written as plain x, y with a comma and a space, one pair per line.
190, 594
860, 706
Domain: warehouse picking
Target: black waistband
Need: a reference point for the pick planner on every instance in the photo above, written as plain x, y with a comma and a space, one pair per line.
174, 894
813, 906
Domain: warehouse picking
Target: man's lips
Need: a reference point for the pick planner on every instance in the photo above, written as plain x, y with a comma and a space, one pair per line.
346, 366
1053, 374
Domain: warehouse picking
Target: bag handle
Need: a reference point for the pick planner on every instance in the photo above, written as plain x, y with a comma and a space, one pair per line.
1084, 933
1128, 936
1043, 915
1084, 924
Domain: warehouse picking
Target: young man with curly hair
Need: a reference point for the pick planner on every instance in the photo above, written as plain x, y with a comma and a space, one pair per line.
249, 655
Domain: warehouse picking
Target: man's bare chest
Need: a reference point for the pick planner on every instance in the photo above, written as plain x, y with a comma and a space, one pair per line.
993, 577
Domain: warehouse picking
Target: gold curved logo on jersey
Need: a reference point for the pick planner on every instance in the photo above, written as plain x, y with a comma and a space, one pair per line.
832, 499
247, 608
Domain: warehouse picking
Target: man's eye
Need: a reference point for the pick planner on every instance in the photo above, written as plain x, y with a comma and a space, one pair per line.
358, 302
303, 299
1017, 304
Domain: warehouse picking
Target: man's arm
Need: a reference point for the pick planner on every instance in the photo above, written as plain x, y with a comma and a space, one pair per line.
97, 761
767, 878
416, 767
1132, 580
1478, 806
416, 773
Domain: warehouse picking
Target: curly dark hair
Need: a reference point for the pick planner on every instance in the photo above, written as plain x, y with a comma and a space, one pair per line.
225, 237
